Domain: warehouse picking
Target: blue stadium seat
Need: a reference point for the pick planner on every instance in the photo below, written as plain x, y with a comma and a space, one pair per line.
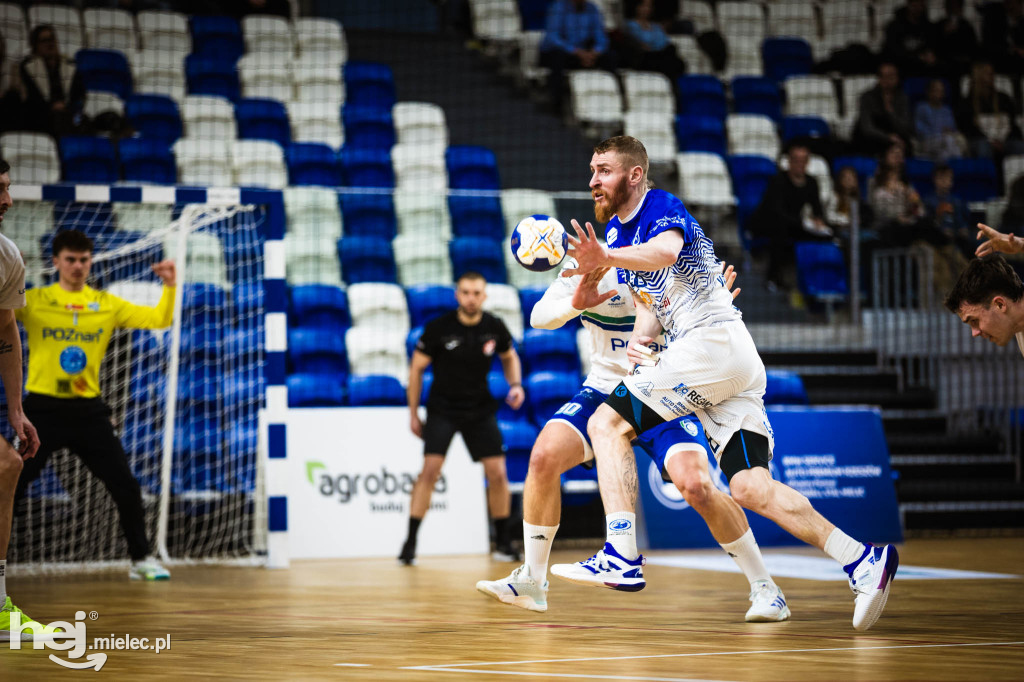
246, 346
548, 391
499, 388
750, 176
756, 95
154, 116
370, 127
263, 119
320, 306
375, 390
698, 133
371, 215
478, 254
88, 159
427, 301
201, 343
105, 70
700, 94
821, 271
366, 259
476, 217
198, 448
148, 161
974, 179
366, 167
95, 219
534, 14
369, 84
318, 351
804, 126
784, 57
919, 173
471, 167
200, 385
550, 350
312, 163
203, 303
864, 165
410, 341
315, 390
241, 443
518, 437
212, 75
785, 388
217, 35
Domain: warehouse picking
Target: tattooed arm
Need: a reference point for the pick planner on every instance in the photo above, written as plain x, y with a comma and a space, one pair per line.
11, 375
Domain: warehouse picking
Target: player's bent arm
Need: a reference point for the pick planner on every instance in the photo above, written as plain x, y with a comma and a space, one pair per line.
417, 366
10, 359
131, 316
646, 324
554, 308
511, 367
657, 254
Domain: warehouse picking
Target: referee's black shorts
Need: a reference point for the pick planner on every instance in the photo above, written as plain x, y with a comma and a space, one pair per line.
479, 431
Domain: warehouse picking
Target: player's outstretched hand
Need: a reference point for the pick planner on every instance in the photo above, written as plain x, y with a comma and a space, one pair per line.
730, 278
997, 241
166, 271
515, 397
589, 253
586, 295
28, 439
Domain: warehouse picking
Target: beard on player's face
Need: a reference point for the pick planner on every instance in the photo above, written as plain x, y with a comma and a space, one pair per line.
614, 197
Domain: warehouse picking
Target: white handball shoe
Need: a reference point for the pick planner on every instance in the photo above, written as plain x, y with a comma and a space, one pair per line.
518, 589
870, 580
607, 568
768, 604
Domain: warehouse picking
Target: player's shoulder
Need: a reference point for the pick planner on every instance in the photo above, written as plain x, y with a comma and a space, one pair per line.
10, 254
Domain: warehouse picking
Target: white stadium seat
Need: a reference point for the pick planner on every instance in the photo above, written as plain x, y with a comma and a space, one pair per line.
697, 62
811, 96
648, 92
110, 29
378, 305
793, 19
595, 97
516, 204
308, 262
208, 116
422, 261
843, 23
316, 122
752, 134
423, 214
99, 102
268, 34
530, 70
420, 123
314, 212
419, 167
205, 262
1013, 168
853, 87
160, 72
698, 12
744, 19
657, 134
744, 58
204, 162
323, 37
33, 158
164, 30
496, 19
266, 74
142, 217
259, 163
704, 179
371, 350
315, 82
503, 302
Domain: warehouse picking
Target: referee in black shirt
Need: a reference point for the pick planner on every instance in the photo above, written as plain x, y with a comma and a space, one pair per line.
462, 345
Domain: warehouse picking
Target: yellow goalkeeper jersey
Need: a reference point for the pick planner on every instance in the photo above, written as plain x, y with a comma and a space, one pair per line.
68, 333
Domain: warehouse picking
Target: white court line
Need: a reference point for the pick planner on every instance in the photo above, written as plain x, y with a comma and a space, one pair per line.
352, 665
455, 667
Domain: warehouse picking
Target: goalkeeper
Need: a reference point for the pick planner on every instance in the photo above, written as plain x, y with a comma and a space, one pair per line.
69, 325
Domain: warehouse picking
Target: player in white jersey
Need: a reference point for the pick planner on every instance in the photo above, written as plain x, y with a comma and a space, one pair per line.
711, 367
989, 297
12, 295
563, 444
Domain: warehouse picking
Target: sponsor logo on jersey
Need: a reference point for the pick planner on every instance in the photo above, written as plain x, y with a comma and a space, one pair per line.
620, 344
621, 391
681, 389
451, 345
94, 306
690, 428
697, 400
673, 220
489, 346
72, 360
645, 297
646, 387
619, 525
616, 300
72, 335
678, 409
611, 235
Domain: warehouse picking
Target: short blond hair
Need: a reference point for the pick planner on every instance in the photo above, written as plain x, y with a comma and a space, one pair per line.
632, 152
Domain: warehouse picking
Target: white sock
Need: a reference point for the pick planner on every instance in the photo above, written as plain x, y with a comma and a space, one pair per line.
747, 556
843, 548
3, 581
621, 529
537, 548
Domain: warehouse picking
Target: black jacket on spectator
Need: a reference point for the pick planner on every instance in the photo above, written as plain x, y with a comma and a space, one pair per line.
1000, 35
906, 40
875, 123
780, 212
1002, 104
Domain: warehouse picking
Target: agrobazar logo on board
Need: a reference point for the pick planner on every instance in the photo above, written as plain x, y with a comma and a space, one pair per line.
375, 483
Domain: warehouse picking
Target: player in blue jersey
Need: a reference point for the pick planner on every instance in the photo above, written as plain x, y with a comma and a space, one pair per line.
711, 368
562, 444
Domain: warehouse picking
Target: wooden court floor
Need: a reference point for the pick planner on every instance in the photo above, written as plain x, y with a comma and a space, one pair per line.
373, 620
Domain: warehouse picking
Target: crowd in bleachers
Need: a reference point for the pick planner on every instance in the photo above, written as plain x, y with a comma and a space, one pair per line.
845, 80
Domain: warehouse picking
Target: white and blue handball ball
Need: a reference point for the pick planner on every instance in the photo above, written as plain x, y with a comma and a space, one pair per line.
539, 243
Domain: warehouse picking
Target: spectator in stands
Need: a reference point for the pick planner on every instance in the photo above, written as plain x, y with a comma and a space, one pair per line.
949, 212
908, 40
893, 158
954, 41
846, 198
574, 38
883, 113
899, 212
649, 47
1002, 34
986, 117
52, 89
790, 210
937, 136
10, 91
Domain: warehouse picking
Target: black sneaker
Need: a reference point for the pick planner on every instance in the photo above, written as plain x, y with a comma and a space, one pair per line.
408, 555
